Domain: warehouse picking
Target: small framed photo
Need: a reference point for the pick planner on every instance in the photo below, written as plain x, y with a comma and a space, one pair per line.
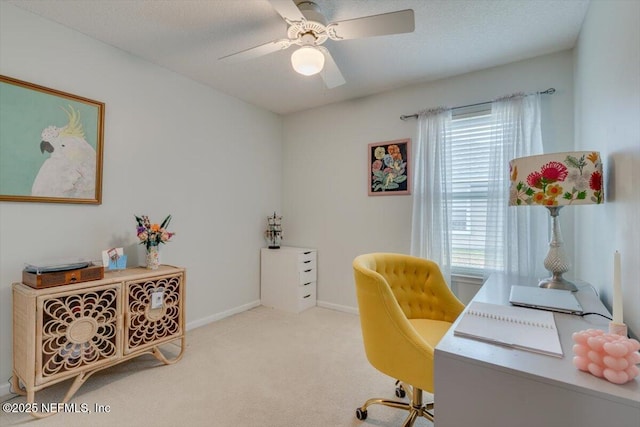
50, 145
114, 259
389, 164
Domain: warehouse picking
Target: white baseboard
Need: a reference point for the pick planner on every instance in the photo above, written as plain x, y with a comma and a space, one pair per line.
218, 316
337, 307
4, 392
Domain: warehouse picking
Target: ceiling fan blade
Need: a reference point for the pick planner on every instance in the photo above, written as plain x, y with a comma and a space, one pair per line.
287, 9
256, 51
330, 73
376, 25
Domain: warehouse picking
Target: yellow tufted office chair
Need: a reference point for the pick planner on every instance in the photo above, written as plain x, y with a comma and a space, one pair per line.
405, 308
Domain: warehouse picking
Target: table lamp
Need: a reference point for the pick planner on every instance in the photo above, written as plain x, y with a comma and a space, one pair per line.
554, 181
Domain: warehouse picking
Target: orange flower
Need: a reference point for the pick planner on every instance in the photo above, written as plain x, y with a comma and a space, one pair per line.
514, 174
394, 150
554, 191
550, 202
593, 157
538, 197
152, 234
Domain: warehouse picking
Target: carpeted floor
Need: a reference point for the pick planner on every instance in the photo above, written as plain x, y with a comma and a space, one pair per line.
262, 367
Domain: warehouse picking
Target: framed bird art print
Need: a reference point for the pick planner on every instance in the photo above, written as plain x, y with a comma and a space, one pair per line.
50, 145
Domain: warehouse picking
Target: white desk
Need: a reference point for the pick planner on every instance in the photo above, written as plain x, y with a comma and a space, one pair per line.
480, 384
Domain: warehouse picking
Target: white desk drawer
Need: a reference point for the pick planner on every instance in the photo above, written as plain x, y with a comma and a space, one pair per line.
304, 257
307, 296
307, 265
308, 275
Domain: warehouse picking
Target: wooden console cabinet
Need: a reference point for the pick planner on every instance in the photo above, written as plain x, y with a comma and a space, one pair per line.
76, 330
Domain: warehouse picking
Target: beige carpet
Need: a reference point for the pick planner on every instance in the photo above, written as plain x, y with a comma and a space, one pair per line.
262, 367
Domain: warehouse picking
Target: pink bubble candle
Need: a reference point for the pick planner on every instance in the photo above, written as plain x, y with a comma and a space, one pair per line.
610, 356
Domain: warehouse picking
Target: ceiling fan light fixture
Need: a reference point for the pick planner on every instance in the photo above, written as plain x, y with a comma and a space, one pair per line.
307, 60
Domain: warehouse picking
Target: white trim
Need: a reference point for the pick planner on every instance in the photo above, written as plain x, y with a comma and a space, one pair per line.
219, 316
338, 307
466, 287
5, 393
466, 279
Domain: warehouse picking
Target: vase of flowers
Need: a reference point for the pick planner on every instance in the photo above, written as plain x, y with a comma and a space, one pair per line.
153, 257
152, 235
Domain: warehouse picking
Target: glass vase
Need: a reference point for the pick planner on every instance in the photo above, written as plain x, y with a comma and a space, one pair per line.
153, 257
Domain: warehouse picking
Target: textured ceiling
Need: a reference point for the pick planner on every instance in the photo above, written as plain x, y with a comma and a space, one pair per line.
451, 37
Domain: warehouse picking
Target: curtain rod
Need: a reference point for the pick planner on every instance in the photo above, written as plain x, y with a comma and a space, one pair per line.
549, 91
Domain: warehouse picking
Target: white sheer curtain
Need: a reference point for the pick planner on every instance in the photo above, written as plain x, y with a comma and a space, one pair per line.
431, 230
516, 236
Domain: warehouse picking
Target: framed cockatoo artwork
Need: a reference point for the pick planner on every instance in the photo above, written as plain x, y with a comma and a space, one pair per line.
50, 145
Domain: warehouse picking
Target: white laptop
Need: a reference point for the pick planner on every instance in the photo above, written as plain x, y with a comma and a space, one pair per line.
545, 299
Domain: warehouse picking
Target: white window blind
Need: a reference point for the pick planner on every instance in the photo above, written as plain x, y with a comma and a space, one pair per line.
470, 142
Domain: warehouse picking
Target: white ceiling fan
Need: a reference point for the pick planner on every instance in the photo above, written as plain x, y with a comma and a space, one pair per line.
309, 29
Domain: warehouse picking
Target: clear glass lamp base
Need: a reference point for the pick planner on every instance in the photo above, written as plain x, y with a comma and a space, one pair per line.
557, 282
556, 261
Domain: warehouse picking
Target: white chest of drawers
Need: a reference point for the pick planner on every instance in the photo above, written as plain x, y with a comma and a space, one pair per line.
288, 278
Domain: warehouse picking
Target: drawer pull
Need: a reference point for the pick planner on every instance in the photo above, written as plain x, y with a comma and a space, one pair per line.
306, 271
305, 284
306, 253
307, 296
306, 262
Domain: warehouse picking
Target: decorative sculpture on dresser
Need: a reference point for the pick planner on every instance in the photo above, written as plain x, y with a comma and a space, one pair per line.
273, 233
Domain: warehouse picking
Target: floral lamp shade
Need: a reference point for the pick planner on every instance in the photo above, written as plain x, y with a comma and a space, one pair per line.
554, 181
557, 179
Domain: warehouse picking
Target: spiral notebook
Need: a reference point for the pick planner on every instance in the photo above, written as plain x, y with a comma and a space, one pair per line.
516, 327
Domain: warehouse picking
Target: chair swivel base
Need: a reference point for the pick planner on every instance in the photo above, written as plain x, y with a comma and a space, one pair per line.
416, 408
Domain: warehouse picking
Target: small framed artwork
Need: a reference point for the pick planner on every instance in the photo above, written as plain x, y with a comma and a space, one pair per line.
50, 145
389, 164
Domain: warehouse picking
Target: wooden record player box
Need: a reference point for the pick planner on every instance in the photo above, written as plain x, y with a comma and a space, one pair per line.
76, 330
59, 278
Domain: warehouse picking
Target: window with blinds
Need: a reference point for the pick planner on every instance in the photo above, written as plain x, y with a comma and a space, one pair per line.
470, 137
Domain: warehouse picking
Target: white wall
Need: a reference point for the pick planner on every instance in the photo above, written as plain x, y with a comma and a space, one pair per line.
325, 201
171, 146
607, 89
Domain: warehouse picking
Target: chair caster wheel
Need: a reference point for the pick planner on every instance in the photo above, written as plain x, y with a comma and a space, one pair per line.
400, 392
361, 415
